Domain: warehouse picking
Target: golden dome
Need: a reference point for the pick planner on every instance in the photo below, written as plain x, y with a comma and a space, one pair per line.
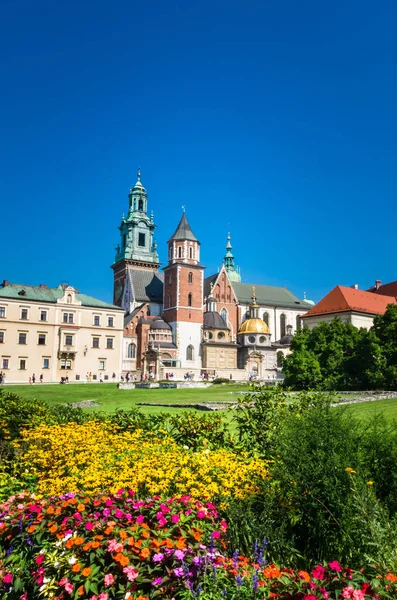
254, 326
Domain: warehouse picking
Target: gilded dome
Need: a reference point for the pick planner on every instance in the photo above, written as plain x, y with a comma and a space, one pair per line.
254, 326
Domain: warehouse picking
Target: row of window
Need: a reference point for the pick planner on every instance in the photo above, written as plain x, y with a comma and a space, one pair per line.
64, 364
68, 340
66, 317
179, 252
95, 341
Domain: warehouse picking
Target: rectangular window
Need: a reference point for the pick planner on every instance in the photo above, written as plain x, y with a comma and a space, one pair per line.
1, 337
95, 342
109, 343
68, 318
141, 239
22, 338
22, 364
101, 365
68, 340
43, 315
41, 340
106, 377
97, 320
110, 321
94, 377
6, 363
46, 363
71, 319
2, 312
66, 364
24, 314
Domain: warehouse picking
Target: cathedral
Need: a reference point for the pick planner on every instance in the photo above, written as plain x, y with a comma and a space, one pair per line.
179, 321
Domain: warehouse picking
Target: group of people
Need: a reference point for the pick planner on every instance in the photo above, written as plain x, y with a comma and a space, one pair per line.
32, 379
169, 376
2, 377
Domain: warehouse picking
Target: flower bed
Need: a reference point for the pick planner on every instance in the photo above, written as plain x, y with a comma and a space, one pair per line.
97, 457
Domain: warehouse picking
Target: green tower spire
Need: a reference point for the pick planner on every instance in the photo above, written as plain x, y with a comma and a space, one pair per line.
232, 270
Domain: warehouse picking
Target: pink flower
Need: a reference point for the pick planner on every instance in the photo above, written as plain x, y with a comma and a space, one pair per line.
109, 579
7, 578
119, 514
216, 535
63, 581
335, 566
114, 546
358, 595
140, 519
89, 526
179, 554
200, 514
309, 597
178, 572
162, 522
157, 581
318, 572
175, 518
103, 596
158, 557
69, 588
131, 573
39, 559
223, 525
347, 592
24, 596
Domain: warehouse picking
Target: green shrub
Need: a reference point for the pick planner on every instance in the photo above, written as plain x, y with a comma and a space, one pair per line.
220, 380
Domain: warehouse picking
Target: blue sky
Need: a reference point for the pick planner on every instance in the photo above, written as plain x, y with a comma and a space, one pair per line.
276, 120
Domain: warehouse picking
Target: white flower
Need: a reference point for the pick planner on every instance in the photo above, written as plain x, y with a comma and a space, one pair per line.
72, 560
56, 564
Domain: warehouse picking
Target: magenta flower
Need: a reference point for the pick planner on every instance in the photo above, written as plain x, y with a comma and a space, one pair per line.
69, 588
131, 573
7, 578
175, 518
201, 514
178, 572
179, 554
158, 557
216, 535
119, 514
335, 566
39, 559
157, 581
103, 596
162, 522
89, 526
140, 519
318, 572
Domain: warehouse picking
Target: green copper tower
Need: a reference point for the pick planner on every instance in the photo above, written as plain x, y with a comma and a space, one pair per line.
232, 270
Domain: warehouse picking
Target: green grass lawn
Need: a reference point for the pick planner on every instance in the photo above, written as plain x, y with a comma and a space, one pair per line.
365, 410
110, 398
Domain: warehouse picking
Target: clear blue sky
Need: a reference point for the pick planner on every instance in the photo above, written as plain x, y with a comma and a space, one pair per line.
276, 119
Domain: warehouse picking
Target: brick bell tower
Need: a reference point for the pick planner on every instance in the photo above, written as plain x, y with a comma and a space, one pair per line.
183, 294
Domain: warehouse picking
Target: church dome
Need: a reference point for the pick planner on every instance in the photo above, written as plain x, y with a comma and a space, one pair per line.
159, 323
213, 320
254, 326
286, 339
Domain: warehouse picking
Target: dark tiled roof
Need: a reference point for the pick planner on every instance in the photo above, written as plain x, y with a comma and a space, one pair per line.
36, 293
147, 285
183, 231
128, 318
387, 289
213, 320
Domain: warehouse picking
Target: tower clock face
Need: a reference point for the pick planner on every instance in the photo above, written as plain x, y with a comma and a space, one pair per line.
119, 291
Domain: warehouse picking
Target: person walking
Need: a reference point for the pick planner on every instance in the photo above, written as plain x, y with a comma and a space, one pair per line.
41, 378
33, 378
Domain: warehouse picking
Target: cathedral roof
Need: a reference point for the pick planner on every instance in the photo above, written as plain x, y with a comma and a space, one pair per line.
254, 326
213, 320
268, 295
159, 323
147, 285
183, 231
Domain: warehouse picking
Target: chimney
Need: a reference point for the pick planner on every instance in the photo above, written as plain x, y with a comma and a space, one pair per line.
5, 283
378, 283
354, 286
43, 285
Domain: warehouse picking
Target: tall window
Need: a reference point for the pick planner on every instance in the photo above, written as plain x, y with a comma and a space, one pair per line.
101, 365
24, 314
69, 299
189, 300
110, 321
22, 338
22, 364
131, 351
41, 340
298, 323
266, 318
224, 314
97, 320
140, 205
43, 315
109, 343
68, 318
68, 340
95, 342
282, 326
141, 239
2, 312
190, 277
1, 337
179, 251
46, 363
6, 363
66, 363
190, 252
190, 352
124, 240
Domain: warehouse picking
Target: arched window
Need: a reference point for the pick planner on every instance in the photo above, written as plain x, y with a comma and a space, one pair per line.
69, 299
180, 252
190, 252
190, 353
298, 322
189, 300
224, 314
140, 205
190, 277
266, 318
148, 311
131, 350
282, 326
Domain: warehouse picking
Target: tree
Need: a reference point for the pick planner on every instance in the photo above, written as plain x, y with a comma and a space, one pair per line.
302, 370
385, 329
365, 368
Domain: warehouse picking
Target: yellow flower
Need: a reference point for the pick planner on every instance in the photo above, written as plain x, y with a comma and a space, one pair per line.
349, 470
370, 483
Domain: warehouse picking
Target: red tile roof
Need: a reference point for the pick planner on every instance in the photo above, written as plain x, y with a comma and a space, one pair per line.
344, 299
387, 289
